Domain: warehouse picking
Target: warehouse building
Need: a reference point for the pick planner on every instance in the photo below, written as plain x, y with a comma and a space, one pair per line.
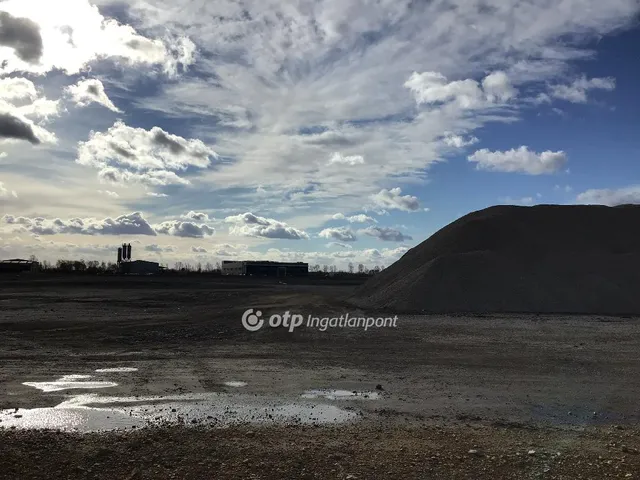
258, 268
17, 265
139, 267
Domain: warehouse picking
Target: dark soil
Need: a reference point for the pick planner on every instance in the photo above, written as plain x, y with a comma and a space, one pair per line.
497, 384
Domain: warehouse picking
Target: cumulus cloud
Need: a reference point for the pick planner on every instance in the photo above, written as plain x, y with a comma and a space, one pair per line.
40, 36
197, 216
338, 158
498, 88
90, 91
578, 91
130, 224
22, 35
198, 250
394, 200
179, 228
126, 154
433, 88
456, 141
342, 234
20, 105
610, 197
519, 160
360, 218
157, 195
250, 225
385, 234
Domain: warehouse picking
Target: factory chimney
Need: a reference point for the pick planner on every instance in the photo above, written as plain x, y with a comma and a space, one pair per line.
119, 255
129, 252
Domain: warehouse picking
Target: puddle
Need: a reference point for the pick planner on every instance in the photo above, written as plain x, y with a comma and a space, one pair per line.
69, 382
340, 395
93, 412
117, 370
235, 384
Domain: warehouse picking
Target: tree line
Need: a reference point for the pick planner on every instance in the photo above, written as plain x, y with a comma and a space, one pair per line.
96, 267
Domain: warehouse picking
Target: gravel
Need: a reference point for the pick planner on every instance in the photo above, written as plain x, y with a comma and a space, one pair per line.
355, 452
542, 259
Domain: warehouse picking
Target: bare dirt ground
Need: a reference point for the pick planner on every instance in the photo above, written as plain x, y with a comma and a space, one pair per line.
464, 396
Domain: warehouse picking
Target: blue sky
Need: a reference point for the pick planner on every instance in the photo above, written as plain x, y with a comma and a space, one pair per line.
325, 131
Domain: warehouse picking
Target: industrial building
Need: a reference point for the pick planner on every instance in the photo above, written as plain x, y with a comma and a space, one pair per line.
265, 268
135, 267
139, 267
17, 265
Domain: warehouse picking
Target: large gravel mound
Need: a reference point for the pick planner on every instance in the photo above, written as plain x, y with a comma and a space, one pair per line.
546, 259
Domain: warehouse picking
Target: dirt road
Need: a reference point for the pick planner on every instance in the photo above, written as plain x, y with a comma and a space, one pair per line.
554, 383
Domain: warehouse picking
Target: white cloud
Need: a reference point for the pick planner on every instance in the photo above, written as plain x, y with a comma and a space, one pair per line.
519, 160
341, 234
157, 195
90, 91
456, 141
434, 88
611, 197
178, 228
250, 225
338, 158
126, 154
577, 91
109, 193
394, 200
197, 216
73, 37
359, 218
198, 250
386, 234
130, 224
23, 111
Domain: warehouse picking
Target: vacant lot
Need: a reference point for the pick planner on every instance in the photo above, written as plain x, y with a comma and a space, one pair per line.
501, 386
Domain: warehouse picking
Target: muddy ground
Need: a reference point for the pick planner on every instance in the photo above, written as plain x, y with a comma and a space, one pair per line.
496, 386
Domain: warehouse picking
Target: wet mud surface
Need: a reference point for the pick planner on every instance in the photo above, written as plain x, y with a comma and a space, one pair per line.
76, 351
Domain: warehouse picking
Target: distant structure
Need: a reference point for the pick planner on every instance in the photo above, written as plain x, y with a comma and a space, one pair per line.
17, 265
139, 267
258, 268
135, 267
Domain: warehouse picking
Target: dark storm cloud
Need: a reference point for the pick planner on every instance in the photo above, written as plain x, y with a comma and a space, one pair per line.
13, 127
23, 35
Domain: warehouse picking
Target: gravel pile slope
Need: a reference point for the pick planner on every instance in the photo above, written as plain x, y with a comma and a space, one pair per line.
547, 259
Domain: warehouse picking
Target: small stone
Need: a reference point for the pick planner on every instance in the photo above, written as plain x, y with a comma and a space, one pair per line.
531, 452
379, 387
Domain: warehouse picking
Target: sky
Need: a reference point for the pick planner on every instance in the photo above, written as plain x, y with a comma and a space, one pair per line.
325, 131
